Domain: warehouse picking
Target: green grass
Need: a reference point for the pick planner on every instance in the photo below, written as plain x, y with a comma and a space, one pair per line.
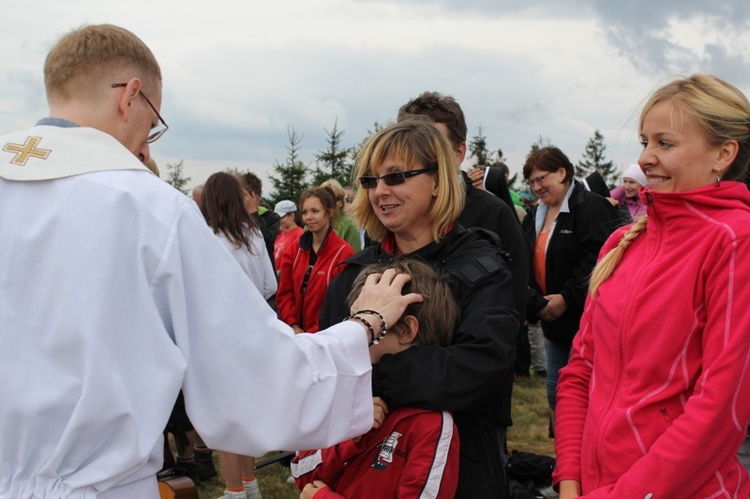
530, 429
528, 434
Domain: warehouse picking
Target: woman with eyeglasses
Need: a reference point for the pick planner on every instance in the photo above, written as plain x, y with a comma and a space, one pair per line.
409, 201
309, 265
566, 230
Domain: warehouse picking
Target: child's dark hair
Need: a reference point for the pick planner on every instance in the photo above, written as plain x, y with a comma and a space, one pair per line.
438, 314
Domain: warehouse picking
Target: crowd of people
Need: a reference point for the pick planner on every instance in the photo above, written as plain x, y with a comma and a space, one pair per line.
375, 328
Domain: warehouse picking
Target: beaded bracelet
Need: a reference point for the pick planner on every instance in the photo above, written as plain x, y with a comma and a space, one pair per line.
383, 326
367, 325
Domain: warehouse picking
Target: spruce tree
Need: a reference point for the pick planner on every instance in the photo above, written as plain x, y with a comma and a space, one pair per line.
594, 160
478, 149
331, 162
290, 179
175, 178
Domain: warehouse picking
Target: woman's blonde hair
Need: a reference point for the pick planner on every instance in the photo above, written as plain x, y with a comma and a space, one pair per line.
420, 145
722, 112
338, 192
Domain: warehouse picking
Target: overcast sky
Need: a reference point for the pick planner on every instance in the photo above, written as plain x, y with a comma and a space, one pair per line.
238, 73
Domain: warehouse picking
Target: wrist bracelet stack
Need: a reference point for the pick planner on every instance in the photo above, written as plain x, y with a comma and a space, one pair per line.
357, 315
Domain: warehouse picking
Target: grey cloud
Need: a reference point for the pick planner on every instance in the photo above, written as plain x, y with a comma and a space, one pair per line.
545, 8
639, 30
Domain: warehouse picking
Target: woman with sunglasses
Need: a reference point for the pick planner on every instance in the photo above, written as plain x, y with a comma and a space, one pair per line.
566, 230
410, 199
308, 266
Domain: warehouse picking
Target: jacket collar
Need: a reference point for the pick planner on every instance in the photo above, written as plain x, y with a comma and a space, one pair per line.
573, 197
385, 251
667, 205
305, 240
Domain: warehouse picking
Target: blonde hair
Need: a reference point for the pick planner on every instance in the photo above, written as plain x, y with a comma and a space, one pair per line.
102, 46
420, 145
721, 109
335, 187
151, 165
611, 260
438, 314
722, 112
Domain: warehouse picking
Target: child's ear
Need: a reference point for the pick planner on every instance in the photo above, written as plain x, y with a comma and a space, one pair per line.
408, 333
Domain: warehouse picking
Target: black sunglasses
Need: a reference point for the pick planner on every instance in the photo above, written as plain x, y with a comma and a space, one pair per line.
156, 134
394, 178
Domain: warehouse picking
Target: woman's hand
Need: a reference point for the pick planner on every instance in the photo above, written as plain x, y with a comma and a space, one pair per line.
556, 306
311, 489
297, 329
570, 489
382, 293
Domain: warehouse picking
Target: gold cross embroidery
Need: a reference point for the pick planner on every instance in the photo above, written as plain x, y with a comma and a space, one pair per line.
24, 152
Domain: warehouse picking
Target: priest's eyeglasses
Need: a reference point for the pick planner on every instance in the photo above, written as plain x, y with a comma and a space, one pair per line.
394, 178
159, 131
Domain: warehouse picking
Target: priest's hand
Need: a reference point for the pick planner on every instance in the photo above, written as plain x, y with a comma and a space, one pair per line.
382, 293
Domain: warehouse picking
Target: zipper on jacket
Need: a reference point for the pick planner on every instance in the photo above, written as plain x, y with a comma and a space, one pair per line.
624, 326
664, 413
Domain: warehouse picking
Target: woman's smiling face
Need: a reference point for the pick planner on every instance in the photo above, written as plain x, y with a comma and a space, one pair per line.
676, 156
404, 209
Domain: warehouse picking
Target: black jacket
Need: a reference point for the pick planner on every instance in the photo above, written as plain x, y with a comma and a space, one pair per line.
572, 252
484, 210
463, 377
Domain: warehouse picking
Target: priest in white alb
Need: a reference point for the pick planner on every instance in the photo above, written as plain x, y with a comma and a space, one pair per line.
114, 295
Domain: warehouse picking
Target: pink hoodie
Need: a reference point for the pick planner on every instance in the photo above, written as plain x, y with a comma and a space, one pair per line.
654, 401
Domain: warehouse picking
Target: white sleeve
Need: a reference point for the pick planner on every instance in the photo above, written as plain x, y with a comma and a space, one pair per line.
251, 385
270, 284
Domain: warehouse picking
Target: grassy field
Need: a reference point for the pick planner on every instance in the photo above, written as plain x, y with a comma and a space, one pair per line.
529, 434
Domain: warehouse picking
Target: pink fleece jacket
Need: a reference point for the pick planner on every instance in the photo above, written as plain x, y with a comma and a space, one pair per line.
654, 401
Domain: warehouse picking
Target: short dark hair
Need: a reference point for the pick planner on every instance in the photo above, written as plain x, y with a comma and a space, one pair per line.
438, 314
251, 182
441, 109
501, 164
548, 159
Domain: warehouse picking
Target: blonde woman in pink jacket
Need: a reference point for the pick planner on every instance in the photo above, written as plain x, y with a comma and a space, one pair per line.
653, 401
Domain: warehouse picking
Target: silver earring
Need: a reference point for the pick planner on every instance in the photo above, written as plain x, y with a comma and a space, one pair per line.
717, 181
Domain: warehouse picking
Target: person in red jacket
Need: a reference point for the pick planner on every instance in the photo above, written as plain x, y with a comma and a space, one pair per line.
289, 231
412, 452
653, 402
308, 266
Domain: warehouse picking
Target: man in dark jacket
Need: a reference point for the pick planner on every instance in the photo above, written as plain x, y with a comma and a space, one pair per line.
481, 209
269, 221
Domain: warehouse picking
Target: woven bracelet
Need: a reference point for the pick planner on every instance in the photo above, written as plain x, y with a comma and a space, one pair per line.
367, 325
383, 326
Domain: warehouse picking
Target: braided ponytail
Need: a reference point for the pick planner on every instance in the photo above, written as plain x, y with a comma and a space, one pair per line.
611, 260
